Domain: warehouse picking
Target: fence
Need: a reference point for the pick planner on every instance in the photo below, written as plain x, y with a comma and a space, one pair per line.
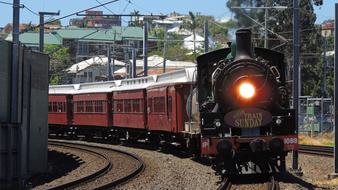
316, 115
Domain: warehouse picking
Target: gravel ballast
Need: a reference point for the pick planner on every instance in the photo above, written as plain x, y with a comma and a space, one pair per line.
169, 171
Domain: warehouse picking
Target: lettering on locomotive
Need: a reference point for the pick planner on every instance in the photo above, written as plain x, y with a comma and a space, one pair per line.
248, 118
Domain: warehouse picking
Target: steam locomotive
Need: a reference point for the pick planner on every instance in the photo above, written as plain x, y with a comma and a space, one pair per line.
244, 108
232, 108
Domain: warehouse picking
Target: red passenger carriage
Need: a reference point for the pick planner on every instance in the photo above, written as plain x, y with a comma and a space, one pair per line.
92, 109
129, 109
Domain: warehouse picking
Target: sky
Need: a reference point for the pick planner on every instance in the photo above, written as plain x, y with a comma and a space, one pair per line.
215, 8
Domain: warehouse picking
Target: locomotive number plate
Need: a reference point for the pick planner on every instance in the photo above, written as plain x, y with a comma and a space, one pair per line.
248, 118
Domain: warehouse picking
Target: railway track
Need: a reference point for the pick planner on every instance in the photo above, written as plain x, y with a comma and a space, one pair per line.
225, 184
316, 150
271, 184
118, 167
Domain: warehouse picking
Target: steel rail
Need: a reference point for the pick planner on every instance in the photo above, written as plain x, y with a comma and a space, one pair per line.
272, 184
115, 182
225, 184
86, 178
316, 150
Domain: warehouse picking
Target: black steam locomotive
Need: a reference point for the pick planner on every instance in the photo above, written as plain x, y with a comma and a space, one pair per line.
245, 118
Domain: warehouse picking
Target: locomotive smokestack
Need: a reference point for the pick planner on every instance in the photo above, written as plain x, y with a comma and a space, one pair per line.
243, 43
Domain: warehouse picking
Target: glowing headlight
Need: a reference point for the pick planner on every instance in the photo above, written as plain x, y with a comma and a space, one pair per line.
278, 121
218, 124
246, 90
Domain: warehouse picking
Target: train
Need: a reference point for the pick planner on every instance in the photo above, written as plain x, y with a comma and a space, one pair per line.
232, 108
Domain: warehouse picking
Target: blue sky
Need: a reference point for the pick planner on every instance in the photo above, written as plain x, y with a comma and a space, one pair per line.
216, 8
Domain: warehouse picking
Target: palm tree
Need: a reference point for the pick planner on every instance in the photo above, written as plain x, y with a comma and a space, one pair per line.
136, 21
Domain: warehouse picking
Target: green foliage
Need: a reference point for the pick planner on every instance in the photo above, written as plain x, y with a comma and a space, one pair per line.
59, 61
280, 21
218, 31
175, 50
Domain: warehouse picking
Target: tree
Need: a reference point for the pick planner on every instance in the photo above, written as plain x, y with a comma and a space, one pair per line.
175, 50
59, 62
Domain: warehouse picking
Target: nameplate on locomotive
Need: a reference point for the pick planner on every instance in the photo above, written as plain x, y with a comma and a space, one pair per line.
248, 118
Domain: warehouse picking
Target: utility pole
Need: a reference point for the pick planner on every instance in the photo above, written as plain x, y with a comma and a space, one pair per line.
145, 48
42, 27
335, 173
108, 63
324, 92
206, 36
134, 75
15, 61
165, 49
295, 91
14, 97
113, 55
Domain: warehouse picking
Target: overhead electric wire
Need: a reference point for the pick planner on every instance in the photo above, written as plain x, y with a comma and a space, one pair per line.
30, 10
72, 14
6, 3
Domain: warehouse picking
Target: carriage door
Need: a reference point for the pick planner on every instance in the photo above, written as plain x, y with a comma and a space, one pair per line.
170, 107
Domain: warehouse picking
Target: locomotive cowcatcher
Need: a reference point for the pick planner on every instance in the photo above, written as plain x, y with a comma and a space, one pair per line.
245, 119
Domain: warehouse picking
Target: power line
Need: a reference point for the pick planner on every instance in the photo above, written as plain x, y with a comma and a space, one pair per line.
30, 10
75, 13
6, 3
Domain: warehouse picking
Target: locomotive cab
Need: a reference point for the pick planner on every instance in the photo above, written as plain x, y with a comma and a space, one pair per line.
245, 119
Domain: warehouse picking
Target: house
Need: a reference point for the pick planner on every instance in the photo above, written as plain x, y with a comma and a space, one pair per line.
155, 66
95, 19
84, 43
328, 28
180, 31
199, 42
30, 27
93, 69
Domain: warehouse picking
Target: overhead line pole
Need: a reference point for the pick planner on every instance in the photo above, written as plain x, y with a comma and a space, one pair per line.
42, 27
335, 174
14, 98
296, 47
145, 49
206, 37
165, 49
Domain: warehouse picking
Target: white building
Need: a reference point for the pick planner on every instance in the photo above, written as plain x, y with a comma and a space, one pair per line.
199, 42
91, 70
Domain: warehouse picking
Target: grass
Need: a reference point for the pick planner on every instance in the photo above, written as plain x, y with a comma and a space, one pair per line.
324, 139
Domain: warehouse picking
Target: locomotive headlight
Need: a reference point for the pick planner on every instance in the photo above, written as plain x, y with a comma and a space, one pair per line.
278, 121
246, 90
218, 123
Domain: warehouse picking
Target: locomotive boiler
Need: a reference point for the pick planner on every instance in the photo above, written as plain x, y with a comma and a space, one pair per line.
246, 123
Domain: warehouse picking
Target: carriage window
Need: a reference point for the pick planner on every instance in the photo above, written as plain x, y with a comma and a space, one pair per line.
89, 106
50, 107
141, 105
150, 105
136, 105
59, 107
159, 104
119, 105
79, 106
99, 106
55, 106
170, 104
127, 105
